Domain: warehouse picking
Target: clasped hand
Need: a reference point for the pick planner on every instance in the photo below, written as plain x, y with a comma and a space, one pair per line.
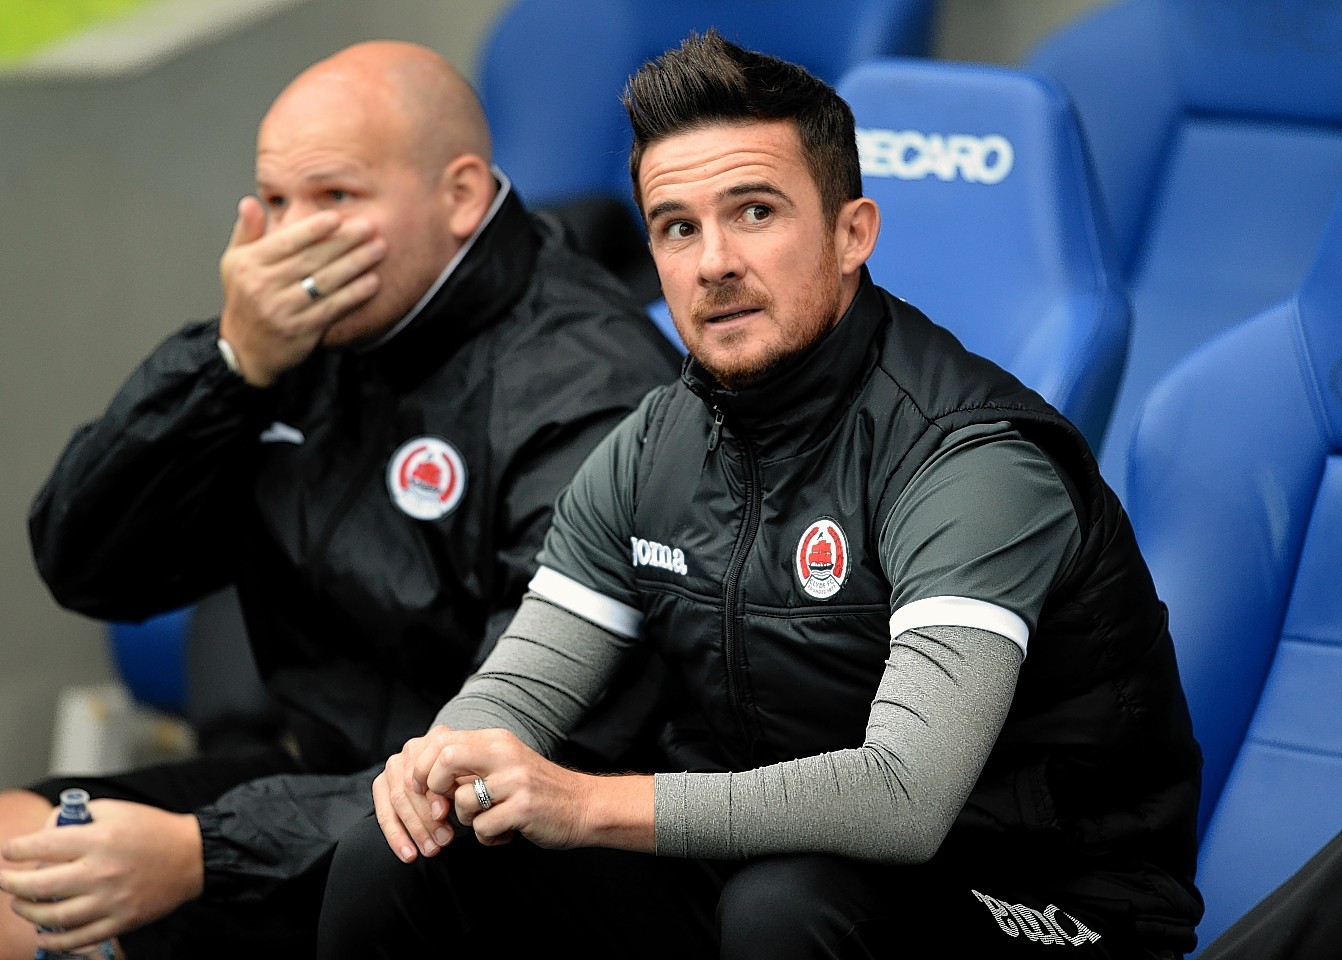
431, 782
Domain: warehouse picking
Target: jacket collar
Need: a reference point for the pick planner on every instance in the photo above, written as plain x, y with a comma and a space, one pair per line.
801, 399
486, 277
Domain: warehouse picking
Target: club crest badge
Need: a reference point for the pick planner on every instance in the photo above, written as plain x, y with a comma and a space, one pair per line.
426, 478
822, 559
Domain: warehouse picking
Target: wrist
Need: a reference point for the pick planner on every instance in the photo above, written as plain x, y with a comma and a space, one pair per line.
230, 357
193, 854
622, 813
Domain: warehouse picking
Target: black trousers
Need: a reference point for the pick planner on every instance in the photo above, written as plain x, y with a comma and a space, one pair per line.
512, 900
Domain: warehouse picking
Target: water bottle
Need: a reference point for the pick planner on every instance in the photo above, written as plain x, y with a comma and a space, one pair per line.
75, 810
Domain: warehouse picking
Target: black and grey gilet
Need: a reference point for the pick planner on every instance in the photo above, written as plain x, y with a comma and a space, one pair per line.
1097, 757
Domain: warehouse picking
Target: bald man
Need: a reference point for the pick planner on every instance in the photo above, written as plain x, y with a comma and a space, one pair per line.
406, 369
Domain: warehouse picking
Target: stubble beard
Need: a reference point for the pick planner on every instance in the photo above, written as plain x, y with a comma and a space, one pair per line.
740, 369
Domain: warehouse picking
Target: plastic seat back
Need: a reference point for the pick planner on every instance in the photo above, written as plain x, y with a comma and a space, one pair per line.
150, 659
552, 71
195, 663
1235, 494
1215, 128
990, 223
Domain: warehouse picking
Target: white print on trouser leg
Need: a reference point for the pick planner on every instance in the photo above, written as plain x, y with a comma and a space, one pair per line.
1018, 920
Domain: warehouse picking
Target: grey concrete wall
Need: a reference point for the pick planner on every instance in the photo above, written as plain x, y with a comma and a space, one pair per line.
116, 199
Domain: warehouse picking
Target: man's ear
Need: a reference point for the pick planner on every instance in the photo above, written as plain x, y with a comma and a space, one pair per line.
855, 232
468, 187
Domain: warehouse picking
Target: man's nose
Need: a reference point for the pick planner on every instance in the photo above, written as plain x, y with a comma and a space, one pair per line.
720, 257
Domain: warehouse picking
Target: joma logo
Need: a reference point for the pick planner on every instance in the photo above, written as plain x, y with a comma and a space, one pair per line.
646, 553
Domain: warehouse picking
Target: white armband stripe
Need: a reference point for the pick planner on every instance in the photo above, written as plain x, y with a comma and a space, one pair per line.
617, 617
960, 612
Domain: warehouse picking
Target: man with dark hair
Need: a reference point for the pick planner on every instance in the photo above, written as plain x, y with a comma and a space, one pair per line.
368, 441
925, 697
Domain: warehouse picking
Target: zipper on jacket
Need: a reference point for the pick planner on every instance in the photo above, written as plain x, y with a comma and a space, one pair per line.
731, 608
715, 435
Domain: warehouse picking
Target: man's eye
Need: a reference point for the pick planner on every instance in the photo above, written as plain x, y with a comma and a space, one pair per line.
274, 203
757, 213
678, 230
337, 195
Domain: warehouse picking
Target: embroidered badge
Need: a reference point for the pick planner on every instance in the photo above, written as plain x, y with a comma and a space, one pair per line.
822, 558
426, 478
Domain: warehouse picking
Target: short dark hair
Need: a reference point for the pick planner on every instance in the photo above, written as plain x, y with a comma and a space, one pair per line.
709, 80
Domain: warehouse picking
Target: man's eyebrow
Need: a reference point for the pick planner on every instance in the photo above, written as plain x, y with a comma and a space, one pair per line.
665, 208
753, 188
323, 174
320, 175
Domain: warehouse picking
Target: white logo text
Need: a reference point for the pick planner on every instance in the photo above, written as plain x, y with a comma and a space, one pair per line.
911, 155
1048, 926
649, 554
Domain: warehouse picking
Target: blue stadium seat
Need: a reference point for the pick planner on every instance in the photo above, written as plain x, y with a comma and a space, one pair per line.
195, 664
990, 223
1235, 492
1215, 127
150, 659
552, 71
661, 315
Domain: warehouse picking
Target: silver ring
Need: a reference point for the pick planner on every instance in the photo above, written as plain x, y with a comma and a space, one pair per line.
482, 793
310, 287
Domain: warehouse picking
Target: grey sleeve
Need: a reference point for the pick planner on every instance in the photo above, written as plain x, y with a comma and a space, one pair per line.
547, 671
987, 519
588, 539
939, 705
942, 700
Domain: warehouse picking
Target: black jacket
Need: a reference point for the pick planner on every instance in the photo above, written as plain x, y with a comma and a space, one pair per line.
1094, 778
363, 618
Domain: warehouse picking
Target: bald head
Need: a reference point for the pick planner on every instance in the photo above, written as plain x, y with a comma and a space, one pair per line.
401, 90
392, 138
